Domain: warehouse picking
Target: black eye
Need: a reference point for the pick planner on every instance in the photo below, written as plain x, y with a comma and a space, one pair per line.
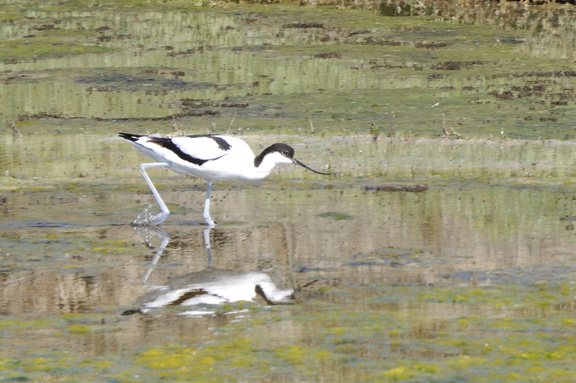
285, 152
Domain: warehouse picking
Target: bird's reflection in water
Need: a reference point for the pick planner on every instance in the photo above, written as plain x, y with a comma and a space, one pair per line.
201, 293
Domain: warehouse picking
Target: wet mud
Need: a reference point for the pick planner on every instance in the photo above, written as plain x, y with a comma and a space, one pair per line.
442, 248
304, 273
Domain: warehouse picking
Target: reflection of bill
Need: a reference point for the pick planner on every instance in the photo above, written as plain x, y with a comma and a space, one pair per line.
202, 292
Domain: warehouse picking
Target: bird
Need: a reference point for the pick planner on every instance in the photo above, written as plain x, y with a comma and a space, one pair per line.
201, 292
210, 157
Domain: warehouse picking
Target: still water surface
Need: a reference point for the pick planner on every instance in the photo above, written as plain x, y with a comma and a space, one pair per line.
422, 259
376, 273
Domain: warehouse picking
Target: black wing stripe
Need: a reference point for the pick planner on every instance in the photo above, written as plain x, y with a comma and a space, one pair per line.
168, 144
222, 143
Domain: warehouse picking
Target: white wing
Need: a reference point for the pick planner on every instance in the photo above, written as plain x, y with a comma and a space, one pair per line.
203, 148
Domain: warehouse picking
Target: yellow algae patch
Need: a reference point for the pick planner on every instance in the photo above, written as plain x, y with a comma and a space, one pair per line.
292, 354
228, 359
49, 364
299, 355
173, 357
464, 362
79, 329
427, 368
96, 364
397, 374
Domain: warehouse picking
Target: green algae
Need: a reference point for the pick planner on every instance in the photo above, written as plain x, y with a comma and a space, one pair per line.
336, 215
406, 75
446, 352
238, 357
376, 345
89, 162
432, 296
45, 48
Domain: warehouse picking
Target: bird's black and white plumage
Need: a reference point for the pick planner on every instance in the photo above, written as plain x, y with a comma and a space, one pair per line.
201, 292
210, 157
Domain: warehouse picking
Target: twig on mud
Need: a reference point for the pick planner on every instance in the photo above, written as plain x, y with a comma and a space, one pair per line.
231, 123
16, 135
175, 128
445, 131
392, 130
374, 131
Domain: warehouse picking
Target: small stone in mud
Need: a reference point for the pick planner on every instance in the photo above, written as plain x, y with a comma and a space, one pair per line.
304, 25
328, 55
397, 188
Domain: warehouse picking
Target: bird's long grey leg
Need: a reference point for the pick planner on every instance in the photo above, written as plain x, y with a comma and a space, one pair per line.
207, 216
145, 218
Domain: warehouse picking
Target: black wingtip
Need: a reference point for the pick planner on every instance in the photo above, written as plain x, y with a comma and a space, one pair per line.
130, 136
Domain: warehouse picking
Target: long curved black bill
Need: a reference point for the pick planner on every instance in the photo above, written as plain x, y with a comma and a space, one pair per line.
309, 168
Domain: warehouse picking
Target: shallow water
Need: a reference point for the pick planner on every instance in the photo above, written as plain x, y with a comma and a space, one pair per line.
391, 281
422, 259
